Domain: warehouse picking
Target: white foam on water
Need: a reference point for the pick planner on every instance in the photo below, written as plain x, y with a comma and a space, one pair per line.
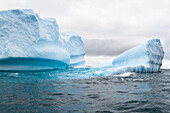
125, 74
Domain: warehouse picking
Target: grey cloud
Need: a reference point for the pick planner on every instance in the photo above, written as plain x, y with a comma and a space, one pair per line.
106, 47
167, 49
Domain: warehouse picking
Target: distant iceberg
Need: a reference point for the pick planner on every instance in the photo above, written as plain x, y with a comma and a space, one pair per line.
143, 58
28, 42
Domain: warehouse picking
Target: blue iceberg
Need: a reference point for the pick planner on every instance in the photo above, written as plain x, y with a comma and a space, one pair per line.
28, 42
143, 58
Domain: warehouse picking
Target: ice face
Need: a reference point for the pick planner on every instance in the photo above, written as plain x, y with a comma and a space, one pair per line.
75, 47
146, 57
23, 34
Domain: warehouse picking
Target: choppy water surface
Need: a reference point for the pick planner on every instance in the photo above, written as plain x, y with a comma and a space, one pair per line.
84, 90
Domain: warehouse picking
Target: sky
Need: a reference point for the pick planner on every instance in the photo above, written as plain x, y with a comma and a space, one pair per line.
107, 27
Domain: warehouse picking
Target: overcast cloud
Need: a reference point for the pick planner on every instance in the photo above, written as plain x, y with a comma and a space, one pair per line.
108, 27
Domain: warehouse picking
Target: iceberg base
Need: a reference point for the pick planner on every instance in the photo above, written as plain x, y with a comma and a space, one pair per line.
20, 63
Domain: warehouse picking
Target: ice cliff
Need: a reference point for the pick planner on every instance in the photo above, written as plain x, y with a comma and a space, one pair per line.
28, 41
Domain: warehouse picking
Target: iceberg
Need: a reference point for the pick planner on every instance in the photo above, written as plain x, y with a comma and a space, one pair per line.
28, 42
75, 47
143, 58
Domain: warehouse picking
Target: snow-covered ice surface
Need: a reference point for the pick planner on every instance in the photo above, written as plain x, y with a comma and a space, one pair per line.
146, 57
24, 36
75, 47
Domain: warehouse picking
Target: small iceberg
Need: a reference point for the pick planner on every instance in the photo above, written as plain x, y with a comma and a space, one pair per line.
146, 57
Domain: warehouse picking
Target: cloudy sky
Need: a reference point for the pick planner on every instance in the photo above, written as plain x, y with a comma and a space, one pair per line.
108, 27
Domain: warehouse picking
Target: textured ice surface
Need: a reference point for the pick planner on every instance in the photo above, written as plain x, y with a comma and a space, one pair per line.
75, 47
28, 42
23, 34
146, 57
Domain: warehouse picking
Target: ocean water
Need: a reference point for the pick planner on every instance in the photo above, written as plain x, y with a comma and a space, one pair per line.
84, 90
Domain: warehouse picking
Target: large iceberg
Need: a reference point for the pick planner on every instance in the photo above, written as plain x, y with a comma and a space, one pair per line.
146, 57
28, 42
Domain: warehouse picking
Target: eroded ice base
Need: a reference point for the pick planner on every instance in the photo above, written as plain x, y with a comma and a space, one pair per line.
20, 64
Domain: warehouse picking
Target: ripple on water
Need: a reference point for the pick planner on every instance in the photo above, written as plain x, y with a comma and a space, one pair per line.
45, 91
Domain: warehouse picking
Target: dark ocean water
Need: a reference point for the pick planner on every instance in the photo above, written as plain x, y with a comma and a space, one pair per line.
82, 90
